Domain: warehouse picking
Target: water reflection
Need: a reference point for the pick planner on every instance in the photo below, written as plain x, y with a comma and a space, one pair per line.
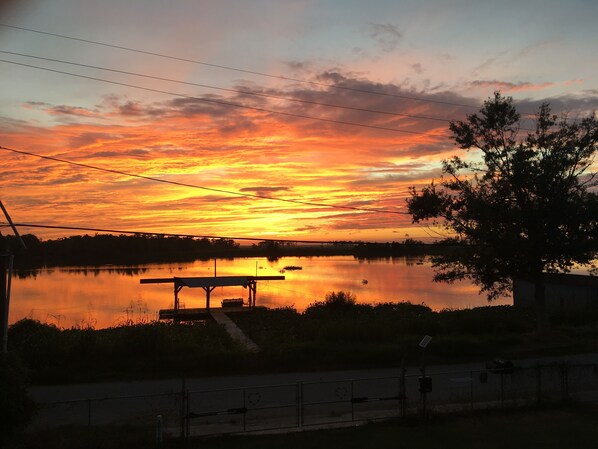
24, 273
109, 296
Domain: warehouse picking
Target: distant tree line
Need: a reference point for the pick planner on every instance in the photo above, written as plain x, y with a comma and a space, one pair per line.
102, 249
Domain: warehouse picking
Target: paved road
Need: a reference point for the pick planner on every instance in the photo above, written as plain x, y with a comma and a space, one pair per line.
53, 393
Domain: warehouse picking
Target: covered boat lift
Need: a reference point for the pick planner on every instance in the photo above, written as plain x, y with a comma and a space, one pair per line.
208, 284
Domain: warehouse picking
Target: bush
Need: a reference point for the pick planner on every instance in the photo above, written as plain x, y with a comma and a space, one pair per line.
334, 301
16, 408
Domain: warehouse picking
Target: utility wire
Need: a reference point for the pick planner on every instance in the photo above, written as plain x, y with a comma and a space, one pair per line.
224, 67
195, 186
239, 91
220, 102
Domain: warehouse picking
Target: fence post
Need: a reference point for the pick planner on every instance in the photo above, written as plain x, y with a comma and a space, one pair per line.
187, 420
159, 437
471, 388
539, 383
183, 409
423, 393
300, 404
403, 390
564, 368
244, 408
352, 403
502, 390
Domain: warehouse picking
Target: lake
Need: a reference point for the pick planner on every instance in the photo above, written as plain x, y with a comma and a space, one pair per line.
108, 296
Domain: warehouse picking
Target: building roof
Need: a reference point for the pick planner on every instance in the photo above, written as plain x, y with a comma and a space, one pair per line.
570, 279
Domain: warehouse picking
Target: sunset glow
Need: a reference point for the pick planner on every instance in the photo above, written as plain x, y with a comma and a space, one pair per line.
383, 57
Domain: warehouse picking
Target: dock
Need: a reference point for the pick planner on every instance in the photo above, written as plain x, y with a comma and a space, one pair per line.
208, 284
218, 314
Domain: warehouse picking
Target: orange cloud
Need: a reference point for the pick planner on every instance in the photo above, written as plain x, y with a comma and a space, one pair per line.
191, 141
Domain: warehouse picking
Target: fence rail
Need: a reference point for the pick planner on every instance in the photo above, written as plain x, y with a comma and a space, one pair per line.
326, 403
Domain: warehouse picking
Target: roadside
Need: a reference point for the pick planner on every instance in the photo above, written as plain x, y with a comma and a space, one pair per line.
50, 393
571, 428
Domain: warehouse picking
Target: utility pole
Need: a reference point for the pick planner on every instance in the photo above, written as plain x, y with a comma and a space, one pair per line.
6, 261
4, 297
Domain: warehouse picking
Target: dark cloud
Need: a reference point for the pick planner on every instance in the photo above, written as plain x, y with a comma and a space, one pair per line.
140, 153
351, 91
211, 105
36, 104
299, 66
63, 109
264, 189
196, 203
67, 180
8, 122
89, 138
417, 68
386, 35
570, 105
508, 86
389, 179
348, 90
73, 110
131, 109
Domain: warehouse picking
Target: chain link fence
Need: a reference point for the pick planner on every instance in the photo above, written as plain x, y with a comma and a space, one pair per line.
320, 404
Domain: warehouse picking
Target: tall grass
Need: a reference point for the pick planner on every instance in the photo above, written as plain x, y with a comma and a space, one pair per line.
129, 351
335, 333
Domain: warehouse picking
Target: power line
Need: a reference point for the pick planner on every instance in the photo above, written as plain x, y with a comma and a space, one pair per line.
195, 186
224, 67
244, 92
219, 102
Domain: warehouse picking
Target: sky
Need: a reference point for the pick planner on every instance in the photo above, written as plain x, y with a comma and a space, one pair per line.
268, 111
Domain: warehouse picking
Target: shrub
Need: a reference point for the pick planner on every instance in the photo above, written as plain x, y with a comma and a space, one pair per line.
334, 301
16, 408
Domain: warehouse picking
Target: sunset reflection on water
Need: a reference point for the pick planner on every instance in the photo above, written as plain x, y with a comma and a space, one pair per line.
110, 296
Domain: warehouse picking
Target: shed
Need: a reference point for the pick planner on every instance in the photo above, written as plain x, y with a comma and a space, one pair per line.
563, 292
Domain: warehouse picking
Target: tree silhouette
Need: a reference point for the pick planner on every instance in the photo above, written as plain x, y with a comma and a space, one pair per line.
520, 206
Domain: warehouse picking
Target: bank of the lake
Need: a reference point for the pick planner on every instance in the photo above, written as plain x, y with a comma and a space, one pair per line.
323, 337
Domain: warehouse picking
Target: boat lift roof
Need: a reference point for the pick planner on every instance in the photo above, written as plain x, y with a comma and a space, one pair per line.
208, 284
219, 281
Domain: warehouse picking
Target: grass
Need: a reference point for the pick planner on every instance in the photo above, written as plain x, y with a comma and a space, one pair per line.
337, 333
53, 355
344, 334
529, 429
572, 427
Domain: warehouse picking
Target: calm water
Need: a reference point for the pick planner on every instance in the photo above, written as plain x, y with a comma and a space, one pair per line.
109, 296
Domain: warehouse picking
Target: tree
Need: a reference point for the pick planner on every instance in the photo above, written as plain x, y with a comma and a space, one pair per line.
522, 207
